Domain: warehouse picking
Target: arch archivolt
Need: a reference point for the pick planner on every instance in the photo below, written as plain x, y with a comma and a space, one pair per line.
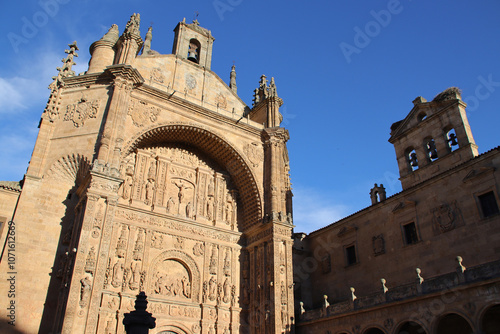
174, 274
235, 170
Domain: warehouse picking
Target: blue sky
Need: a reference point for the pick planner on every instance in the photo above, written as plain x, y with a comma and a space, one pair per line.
346, 71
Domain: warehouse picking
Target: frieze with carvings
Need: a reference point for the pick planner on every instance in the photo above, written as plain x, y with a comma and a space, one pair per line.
172, 225
81, 111
142, 113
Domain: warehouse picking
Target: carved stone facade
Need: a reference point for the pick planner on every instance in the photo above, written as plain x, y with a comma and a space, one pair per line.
162, 184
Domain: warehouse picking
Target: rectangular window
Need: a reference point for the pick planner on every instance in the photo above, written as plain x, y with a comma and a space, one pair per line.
350, 253
410, 234
488, 202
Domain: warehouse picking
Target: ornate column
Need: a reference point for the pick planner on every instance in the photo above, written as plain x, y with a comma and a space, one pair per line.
125, 77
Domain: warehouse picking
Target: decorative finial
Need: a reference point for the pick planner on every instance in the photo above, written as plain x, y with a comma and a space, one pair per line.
325, 301
133, 24
111, 35
232, 79
420, 279
460, 265
353, 296
147, 42
384, 288
139, 320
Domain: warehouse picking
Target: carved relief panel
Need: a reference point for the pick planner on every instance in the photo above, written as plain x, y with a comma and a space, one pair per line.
179, 182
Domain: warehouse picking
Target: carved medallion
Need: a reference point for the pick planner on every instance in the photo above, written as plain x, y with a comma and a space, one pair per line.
156, 75
254, 153
81, 111
190, 82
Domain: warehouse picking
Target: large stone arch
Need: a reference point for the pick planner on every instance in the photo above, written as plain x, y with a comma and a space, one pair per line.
218, 149
185, 260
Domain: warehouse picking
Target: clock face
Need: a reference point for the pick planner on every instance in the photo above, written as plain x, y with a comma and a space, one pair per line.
190, 81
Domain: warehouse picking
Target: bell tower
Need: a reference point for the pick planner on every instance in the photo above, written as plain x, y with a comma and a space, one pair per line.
193, 43
434, 137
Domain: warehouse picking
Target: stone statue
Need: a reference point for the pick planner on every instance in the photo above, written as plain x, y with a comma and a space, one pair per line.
117, 274
170, 205
212, 288
85, 290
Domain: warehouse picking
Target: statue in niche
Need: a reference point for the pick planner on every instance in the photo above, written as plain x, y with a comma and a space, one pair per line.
227, 263
210, 208
186, 287
118, 270
134, 281
149, 188
229, 211
211, 188
128, 183
159, 285
213, 260
170, 205
189, 210
227, 291
212, 288
85, 290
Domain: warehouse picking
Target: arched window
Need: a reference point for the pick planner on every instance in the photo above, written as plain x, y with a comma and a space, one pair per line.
373, 331
194, 51
430, 147
452, 140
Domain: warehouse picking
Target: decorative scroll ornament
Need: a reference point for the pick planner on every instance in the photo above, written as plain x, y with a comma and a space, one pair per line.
81, 111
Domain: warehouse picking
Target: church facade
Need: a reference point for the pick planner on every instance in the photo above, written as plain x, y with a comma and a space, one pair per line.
150, 174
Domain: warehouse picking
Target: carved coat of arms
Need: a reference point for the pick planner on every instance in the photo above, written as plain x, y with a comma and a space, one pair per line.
254, 153
444, 217
80, 112
141, 113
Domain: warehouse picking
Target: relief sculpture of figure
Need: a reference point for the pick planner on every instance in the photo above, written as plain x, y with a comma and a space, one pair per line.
181, 187
186, 287
85, 291
117, 274
212, 287
150, 187
127, 186
189, 210
170, 205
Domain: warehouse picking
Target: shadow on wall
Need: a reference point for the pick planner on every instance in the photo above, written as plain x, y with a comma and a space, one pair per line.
5, 328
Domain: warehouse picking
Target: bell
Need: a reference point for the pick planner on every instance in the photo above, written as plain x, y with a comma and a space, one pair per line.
434, 155
452, 139
192, 56
413, 160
